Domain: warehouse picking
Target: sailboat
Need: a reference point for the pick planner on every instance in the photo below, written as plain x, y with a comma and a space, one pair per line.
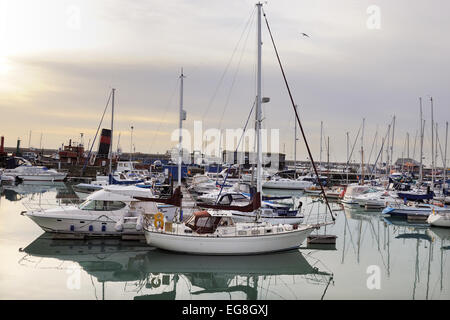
215, 232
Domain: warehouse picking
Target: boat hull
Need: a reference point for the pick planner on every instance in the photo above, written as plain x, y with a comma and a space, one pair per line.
439, 220
235, 245
85, 227
56, 177
293, 185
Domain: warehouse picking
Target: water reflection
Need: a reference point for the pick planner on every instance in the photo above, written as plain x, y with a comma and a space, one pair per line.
394, 236
31, 189
163, 275
412, 257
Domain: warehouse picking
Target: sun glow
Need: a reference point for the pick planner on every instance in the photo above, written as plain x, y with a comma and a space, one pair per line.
5, 66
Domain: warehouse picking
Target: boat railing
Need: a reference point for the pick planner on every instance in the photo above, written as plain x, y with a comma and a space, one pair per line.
44, 204
246, 229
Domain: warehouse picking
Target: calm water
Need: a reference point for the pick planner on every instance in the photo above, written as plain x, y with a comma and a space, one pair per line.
411, 261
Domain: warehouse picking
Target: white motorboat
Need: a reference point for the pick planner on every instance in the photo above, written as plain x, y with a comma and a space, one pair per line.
284, 183
335, 193
313, 178
216, 233
111, 211
28, 172
314, 190
201, 184
355, 190
375, 200
83, 190
439, 219
418, 209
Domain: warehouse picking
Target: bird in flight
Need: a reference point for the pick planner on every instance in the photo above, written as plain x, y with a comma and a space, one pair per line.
304, 34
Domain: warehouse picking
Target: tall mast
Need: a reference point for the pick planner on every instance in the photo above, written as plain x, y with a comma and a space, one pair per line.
392, 144
445, 155
328, 154
362, 152
295, 147
320, 157
348, 160
118, 142
432, 145
387, 149
436, 147
421, 142
258, 105
180, 137
407, 145
112, 131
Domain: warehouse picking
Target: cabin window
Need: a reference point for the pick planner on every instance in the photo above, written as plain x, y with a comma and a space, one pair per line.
99, 205
204, 222
238, 197
226, 200
226, 222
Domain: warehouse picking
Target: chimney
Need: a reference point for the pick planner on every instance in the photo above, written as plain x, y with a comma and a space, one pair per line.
105, 143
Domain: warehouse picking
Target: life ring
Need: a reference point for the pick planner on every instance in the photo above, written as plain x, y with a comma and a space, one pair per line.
159, 220
156, 283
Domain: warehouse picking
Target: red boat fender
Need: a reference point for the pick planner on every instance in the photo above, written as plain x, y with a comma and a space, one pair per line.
343, 192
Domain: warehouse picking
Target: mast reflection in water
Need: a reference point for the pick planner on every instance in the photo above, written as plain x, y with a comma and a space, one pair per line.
159, 274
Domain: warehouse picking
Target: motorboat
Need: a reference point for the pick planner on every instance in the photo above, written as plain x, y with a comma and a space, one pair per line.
313, 178
201, 184
439, 219
112, 211
376, 200
355, 190
414, 210
285, 183
27, 172
314, 190
83, 190
335, 192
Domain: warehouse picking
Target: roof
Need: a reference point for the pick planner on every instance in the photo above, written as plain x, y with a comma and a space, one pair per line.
104, 195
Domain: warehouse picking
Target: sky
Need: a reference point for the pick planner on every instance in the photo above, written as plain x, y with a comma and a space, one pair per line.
373, 59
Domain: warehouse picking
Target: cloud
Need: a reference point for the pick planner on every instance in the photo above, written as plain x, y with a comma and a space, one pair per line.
344, 72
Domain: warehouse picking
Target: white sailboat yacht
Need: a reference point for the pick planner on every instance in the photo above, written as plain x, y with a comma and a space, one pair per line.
215, 231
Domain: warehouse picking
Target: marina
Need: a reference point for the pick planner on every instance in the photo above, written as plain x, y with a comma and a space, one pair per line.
227, 191
412, 257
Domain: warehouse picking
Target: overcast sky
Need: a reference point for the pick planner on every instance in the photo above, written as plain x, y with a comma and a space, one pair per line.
59, 60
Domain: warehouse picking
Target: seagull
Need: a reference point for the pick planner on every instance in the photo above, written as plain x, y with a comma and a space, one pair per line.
304, 34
